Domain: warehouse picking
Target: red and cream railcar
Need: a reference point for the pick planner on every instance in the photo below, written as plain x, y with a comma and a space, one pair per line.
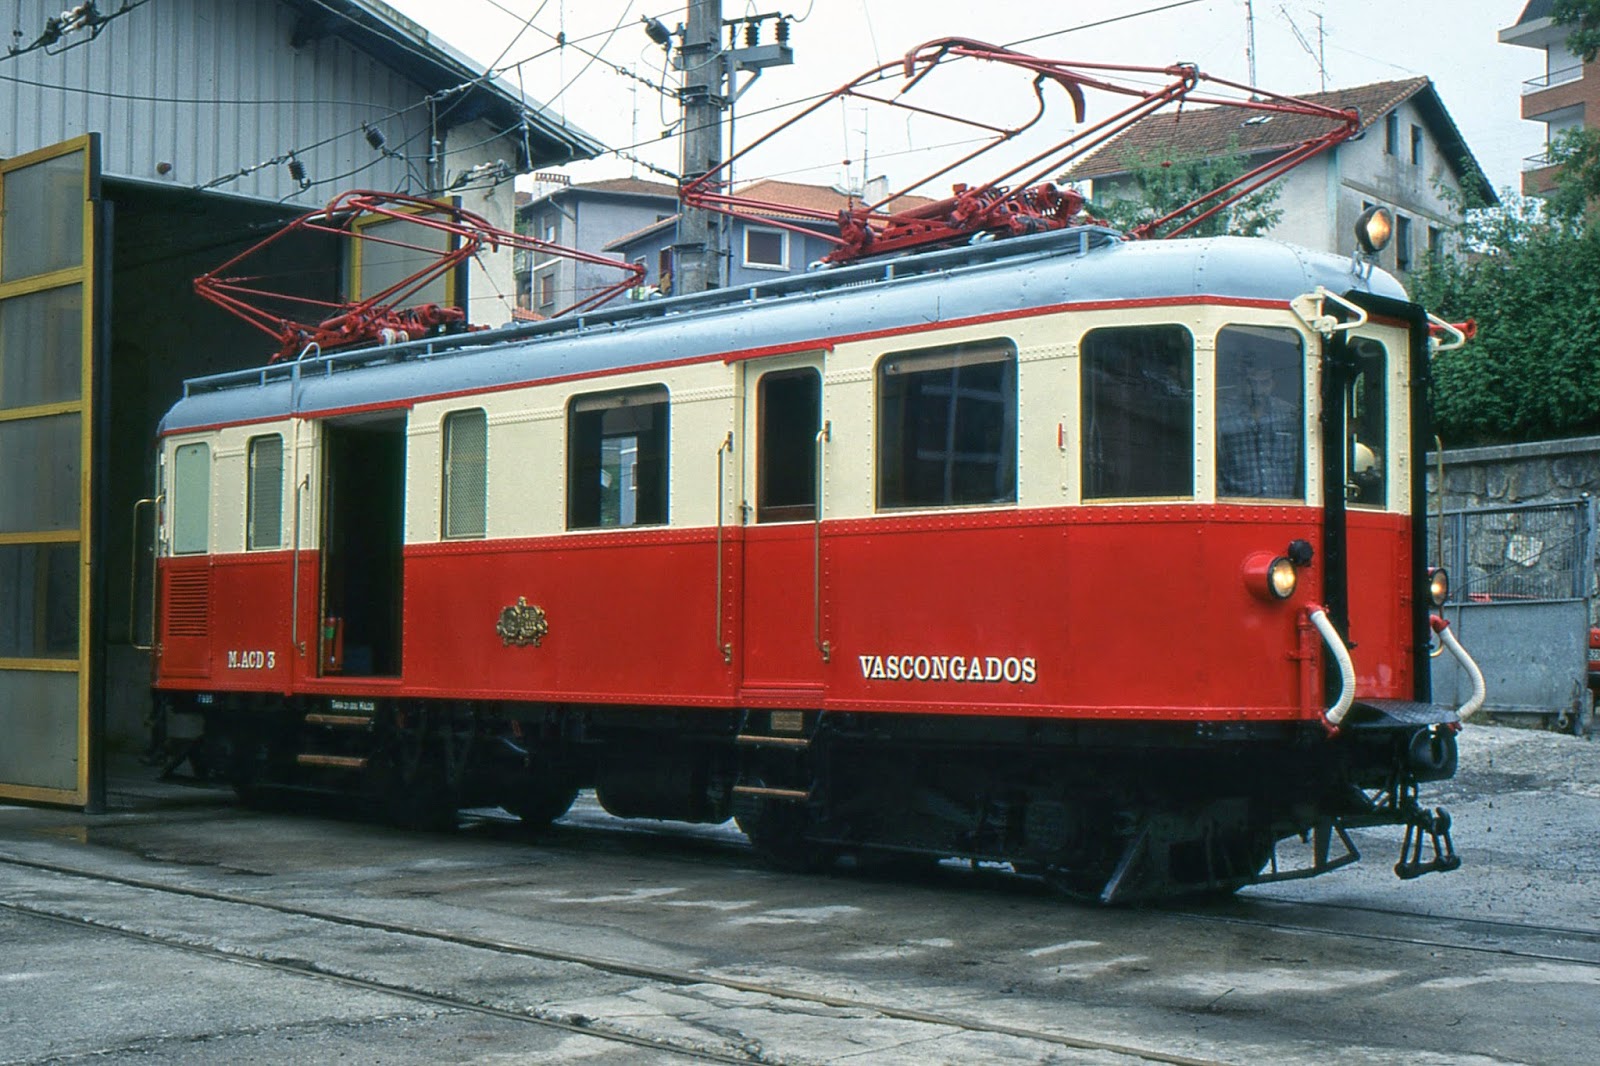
1101, 557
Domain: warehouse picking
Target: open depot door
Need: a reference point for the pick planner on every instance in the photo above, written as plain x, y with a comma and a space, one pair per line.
48, 206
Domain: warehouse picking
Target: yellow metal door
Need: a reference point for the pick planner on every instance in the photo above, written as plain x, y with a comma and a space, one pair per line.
47, 326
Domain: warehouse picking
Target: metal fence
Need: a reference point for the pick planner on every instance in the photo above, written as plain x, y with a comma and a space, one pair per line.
1536, 553
1522, 602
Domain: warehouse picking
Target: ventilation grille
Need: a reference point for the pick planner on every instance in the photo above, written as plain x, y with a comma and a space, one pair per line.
188, 604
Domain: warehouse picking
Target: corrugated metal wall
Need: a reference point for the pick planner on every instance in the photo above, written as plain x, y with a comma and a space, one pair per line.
212, 87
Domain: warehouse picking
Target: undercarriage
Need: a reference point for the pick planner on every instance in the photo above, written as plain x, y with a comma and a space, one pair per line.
1112, 813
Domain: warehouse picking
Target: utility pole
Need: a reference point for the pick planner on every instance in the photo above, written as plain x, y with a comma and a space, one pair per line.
700, 58
709, 76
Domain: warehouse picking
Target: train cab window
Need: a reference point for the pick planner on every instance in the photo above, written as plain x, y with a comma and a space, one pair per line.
466, 473
191, 499
1137, 392
264, 494
1261, 414
617, 459
788, 416
1367, 425
947, 426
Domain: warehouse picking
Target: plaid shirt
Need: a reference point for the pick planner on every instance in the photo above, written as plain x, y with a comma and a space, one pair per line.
1260, 446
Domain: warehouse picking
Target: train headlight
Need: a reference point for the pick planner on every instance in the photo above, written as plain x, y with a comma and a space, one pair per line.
1282, 578
1272, 578
1438, 586
1373, 229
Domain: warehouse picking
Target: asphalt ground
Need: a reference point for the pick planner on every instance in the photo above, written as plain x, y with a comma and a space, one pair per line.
180, 927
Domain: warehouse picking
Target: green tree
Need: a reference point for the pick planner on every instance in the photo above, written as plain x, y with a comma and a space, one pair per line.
1584, 18
1533, 372
1157, 186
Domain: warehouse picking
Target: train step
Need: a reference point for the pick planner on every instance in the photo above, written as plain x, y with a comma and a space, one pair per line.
794, 794
757, 740
340, 721
332, 762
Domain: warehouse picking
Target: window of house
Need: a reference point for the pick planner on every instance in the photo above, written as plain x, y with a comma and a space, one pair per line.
1402, 242
264, 502
1137, 389
1416, 146
1391, 134
788, 417
466, 473
947, 426
1261, 417
547, 290
664, 271
550, 229
617, 459
191, 499
1435, 241
766, 248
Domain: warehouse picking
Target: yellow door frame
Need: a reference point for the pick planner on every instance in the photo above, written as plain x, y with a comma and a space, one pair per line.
82, 275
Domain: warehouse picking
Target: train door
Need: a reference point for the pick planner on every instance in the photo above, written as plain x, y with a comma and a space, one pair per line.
363, 526
785, 499
52, 413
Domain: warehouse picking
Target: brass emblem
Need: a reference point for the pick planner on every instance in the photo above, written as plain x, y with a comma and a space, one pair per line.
522, 625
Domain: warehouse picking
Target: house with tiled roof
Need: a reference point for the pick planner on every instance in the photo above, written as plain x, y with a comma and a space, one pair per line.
588, 217
1409, 157
786, 243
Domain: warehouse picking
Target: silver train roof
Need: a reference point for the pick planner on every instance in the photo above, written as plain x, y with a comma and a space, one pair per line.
1081, 265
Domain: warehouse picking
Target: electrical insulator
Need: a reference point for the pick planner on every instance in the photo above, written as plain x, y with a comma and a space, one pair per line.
783, 31
375, 138
752, 33
297, 171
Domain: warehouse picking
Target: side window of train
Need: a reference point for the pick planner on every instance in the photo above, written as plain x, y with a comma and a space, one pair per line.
466, 473
191, 499
947, 426
264, 494
1261, 413
1138, 412
788, 416
1367, 425
617, 459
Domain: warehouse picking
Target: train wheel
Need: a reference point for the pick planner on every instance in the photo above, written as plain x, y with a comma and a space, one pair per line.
539, 804
777, 832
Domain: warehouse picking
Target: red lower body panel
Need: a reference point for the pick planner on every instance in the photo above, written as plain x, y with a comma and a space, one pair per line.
1121, 613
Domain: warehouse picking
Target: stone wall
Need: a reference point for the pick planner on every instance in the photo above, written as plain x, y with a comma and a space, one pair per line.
1516, 473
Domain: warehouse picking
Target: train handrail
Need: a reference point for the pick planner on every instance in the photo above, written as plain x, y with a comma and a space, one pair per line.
824, 435
1458, 336
722, 466
1317, 320
133, 579
1341, 655
1480, 691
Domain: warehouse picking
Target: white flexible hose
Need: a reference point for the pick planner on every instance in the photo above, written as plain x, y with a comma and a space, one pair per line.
1479, 690
1347, 670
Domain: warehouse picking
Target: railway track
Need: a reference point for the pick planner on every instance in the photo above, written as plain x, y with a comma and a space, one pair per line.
780, 999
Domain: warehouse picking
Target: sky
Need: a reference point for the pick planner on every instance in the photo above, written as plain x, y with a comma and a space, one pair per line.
1360, 42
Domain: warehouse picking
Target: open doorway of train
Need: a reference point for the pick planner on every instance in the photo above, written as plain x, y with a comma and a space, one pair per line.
363, 522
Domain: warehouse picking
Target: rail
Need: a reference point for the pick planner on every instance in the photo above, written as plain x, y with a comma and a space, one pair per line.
1552, 79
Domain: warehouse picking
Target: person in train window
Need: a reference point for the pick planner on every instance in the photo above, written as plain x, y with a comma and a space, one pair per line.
1260, 437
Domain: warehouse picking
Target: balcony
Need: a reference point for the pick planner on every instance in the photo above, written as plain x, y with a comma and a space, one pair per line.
1555, 77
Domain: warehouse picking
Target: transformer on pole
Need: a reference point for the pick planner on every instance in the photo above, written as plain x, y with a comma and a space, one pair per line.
709, 73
